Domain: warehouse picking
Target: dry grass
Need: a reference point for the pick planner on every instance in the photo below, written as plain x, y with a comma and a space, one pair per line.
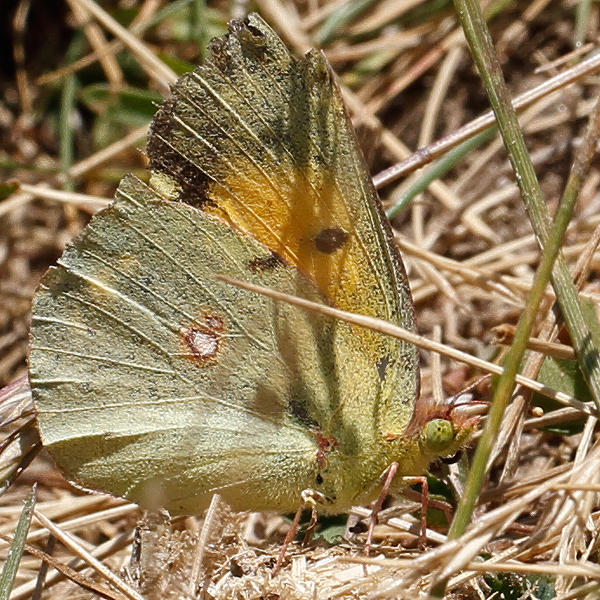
466, 240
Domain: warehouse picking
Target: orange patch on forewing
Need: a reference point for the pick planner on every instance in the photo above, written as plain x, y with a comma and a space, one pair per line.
325, 445
305, 221
203, 340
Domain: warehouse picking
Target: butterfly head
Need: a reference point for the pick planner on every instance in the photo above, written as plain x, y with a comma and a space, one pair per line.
443, 428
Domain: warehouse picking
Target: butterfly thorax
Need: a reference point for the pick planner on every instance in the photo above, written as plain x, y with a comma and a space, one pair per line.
351, 479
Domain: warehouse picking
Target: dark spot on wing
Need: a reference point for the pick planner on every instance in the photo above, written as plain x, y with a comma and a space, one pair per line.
382, 365
164, 158
266, 263
330, 240
254, 30
298, 410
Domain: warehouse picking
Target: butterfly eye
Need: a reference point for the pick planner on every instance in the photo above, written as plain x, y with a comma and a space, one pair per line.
438, 435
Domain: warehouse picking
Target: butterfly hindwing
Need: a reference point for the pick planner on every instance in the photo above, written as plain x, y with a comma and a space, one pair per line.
157, 382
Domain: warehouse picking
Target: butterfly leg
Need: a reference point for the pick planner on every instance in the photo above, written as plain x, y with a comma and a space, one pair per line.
310, 499
312, 524
389, 475
424, 505
439, 504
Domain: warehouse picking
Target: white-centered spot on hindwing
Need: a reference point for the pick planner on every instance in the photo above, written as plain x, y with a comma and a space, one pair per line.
204, 338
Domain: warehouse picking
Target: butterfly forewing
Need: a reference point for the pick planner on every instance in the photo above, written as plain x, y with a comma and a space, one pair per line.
262, 140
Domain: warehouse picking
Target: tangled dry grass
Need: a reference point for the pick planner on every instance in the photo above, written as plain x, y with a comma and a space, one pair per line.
73, 115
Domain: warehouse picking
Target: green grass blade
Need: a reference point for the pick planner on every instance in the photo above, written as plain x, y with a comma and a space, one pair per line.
15, 553
551, 264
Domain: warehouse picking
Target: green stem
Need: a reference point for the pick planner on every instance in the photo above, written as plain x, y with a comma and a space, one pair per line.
552, 264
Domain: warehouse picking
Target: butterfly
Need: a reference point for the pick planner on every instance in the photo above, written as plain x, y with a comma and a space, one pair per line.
156, 381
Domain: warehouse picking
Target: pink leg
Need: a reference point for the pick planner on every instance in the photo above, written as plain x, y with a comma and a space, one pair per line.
424, 506
309, 498
312, 524
439, 504
289, 536
389, 473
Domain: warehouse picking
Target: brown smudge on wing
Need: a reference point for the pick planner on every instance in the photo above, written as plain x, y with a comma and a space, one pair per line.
266, 263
